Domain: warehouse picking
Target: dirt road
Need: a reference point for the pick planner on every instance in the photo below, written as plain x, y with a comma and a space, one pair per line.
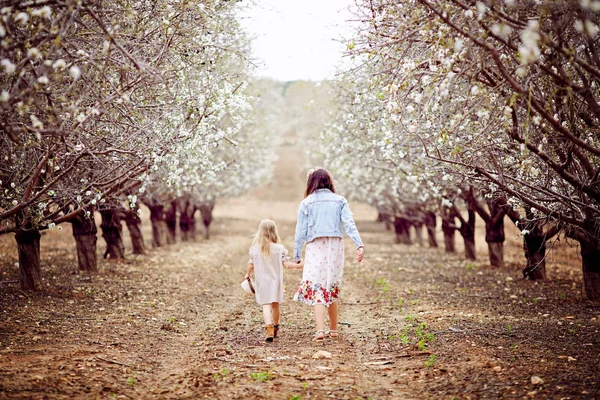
175, 324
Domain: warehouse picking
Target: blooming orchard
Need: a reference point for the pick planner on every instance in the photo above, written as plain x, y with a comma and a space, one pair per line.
502, 94
103, 99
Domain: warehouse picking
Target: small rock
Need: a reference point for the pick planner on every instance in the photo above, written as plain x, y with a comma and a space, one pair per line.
536, 380
322, 354
497, 368
571, 359
508, 279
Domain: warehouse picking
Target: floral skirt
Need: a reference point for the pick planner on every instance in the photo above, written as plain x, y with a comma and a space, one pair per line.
322, 275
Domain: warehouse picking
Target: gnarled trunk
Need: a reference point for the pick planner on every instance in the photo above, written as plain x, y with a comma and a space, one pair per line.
187, 222
448, 229
171, 221
134, 225
430, 223
112, 231
206, 209
467, 231
534, 244
418, 232
590, 260
159, 226
494, 234
28, 244
84, 232
402, 229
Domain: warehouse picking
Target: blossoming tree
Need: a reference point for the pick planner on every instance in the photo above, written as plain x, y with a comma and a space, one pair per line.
505, 93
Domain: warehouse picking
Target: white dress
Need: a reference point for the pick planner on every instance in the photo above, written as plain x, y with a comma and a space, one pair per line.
322, 274
268, 273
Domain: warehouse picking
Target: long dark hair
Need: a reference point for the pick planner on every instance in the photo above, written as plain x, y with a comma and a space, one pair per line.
318, 178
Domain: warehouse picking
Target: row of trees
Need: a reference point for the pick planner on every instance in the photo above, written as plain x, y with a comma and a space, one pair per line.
485, 106
108, 104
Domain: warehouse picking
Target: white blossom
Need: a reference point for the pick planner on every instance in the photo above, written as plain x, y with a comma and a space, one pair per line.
45, 12
22, 17
75, 72
35, 122
34, 53
59, 64
9, 67
4, 96
43, 80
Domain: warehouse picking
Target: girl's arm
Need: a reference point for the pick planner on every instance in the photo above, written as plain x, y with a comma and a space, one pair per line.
292, 265
250, 270
301, 232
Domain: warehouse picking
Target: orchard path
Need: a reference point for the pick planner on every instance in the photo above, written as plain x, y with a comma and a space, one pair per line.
175, 324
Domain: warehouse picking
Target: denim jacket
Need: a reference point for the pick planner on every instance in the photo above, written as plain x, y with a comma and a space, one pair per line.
321, 214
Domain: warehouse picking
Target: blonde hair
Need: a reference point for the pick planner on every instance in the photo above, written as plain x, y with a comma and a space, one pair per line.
266, 234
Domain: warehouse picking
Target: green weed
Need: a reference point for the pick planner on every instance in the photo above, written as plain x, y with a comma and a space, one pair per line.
130, 381
261, 376
430, 361
509, 329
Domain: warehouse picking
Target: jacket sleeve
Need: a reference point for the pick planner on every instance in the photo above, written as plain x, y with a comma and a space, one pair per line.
301, 231
349, 225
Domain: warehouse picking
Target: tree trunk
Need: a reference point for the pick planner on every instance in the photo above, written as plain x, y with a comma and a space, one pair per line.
448, 215
418, 233
187, 222
467, 231
590, 260
534, 244
28, 244
171, 220
84, 232
402, 229
206, 209
496, 253
430, 223
159, 226
134, 225
449, 239
112, 231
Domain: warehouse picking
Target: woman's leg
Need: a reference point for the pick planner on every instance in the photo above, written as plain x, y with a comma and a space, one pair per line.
333, 316
275, 309
319, 311
268, 314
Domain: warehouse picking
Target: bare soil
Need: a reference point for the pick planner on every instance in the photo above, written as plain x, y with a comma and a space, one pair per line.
174, 323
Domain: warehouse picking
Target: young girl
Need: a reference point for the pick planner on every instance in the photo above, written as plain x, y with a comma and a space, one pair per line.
267, 259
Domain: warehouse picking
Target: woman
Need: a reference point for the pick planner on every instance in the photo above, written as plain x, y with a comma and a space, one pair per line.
320, 219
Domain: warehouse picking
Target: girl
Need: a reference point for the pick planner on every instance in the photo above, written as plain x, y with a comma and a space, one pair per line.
320, 219
267, 259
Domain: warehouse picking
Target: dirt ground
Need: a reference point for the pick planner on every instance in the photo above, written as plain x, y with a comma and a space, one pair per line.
418, 323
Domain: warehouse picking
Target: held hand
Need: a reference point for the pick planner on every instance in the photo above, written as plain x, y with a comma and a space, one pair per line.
359, 254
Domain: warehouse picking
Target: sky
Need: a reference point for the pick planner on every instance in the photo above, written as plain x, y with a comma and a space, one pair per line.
298, 39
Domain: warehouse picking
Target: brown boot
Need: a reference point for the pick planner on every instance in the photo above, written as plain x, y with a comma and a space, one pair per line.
275, 330
269, 333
